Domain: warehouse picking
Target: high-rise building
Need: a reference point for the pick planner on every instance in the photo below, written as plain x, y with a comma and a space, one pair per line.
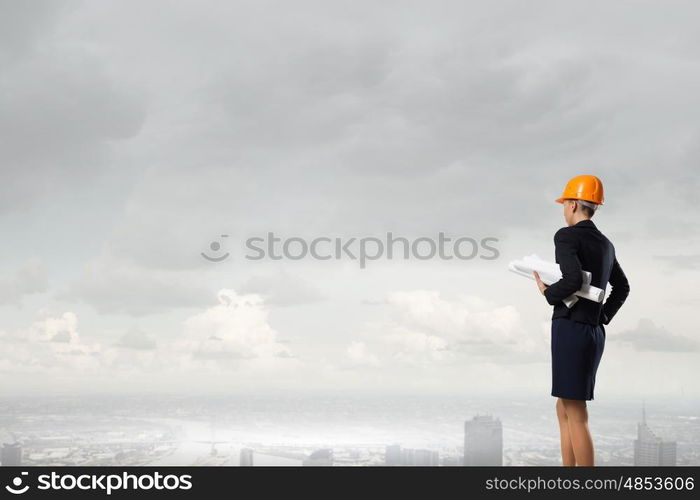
320, 457
650, 449
483, 441
246, 457
11, 454
395, 455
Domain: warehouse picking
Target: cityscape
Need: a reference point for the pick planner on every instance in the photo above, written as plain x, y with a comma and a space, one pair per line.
330, 430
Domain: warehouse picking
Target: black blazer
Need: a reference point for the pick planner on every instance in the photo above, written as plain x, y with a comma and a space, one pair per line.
583, 247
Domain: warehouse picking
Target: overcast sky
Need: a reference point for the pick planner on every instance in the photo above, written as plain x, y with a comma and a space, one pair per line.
133, 134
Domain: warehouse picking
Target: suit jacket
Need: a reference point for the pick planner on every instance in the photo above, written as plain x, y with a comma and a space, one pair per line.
583, 247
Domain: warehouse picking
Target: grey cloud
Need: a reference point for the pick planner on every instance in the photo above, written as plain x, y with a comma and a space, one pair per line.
647, 336
508, 352
31, 277
372, 125
282, 289
23, 24
374, 302
505, 353
78, 352
681, 262
60, 110
136, 339
409, 143
62, 337
356, 121
221, 355
113, 286
183, 122
663, 226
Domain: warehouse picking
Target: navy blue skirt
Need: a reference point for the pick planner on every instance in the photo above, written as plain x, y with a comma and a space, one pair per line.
576, 351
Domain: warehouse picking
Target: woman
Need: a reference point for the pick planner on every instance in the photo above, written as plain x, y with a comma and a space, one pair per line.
578, 334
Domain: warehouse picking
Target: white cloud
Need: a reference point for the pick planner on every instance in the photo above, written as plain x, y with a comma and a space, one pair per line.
51, 345
236, 328
423, 327
234, 335
358, 354
407, 345
465, 319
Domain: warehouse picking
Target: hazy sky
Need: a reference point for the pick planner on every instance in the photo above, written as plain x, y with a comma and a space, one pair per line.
133, 134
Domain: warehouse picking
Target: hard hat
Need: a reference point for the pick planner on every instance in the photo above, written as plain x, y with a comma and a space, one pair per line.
583, 187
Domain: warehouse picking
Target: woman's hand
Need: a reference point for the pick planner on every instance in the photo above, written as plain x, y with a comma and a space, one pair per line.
540, 283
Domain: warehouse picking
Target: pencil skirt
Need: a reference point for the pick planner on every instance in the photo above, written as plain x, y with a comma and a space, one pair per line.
576, 352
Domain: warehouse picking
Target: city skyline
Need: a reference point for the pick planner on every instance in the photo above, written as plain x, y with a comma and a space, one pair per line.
382, 431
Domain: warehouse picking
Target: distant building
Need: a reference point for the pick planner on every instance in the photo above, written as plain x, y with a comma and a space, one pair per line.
483, 441
452, 461
11, 454
421, 457
395, 455
246, 457
320, 457
649, 449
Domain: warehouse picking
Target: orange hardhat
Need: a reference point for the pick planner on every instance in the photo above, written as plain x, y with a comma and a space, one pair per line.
583, 187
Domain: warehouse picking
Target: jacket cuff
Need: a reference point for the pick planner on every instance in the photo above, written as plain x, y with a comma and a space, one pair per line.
546, 296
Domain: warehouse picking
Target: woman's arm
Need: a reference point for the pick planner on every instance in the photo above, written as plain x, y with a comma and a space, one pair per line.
566, 251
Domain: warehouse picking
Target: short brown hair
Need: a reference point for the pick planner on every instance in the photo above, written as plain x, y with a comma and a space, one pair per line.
588, 211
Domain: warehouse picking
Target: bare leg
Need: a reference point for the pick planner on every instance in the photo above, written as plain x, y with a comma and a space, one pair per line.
577, 417
567, 449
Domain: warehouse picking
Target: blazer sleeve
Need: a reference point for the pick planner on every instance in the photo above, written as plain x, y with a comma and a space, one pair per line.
618, 294
566, 252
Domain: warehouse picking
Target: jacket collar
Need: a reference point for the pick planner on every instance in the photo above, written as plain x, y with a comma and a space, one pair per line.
585, 223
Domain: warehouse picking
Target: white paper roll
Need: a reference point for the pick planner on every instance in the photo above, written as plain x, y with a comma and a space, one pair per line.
551, 273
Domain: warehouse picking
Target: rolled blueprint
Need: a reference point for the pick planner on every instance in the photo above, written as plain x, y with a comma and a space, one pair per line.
550, 273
